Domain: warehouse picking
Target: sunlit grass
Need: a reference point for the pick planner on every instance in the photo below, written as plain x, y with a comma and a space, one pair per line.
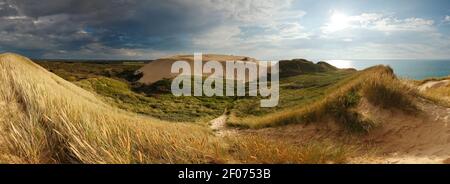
259, 149
377, 84
45, 119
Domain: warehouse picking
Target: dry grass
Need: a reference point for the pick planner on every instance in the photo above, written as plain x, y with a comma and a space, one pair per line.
49, 120
387, 92
378, 84
260, 149
45, 119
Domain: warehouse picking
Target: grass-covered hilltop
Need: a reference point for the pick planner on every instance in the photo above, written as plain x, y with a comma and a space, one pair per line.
84, 112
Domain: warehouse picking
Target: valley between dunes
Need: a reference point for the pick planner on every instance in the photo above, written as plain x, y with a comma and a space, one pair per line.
365, 116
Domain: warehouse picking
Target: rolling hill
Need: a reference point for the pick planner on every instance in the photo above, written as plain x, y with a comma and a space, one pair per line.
289, 68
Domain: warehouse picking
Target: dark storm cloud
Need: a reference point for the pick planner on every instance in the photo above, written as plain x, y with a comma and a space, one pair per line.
73, 24
89, 28
128, 28
6, 10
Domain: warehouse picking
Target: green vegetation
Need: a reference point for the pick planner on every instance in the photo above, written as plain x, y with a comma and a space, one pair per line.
295, 92
163, 106
289, 68
115, 83
76, 71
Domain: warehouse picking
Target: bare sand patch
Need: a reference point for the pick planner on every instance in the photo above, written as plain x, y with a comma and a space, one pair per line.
161, 68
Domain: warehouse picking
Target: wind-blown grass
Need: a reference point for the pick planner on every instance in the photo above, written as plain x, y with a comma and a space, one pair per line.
53, 121
260, 149
441, 95
45, 119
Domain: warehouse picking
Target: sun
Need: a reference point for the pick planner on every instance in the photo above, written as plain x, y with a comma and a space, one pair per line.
338, 21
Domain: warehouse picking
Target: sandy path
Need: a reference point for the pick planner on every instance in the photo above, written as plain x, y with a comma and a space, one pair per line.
218, 125
433, 84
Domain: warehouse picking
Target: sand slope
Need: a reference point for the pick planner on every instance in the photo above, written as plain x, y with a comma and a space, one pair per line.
160, 69
411, 138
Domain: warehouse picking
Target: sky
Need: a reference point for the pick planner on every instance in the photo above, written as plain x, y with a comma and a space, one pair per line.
263, 29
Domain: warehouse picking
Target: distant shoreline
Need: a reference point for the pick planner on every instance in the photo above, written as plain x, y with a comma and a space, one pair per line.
99, 61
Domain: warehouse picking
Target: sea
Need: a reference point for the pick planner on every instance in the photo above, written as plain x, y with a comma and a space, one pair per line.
410, 69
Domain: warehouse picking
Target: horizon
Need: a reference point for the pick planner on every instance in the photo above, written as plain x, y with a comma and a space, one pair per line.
313, 60
266, 30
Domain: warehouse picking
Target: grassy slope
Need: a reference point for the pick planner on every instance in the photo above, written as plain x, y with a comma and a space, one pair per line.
76, 71
295, 92
45, 119
115, 84
289, 68
377, 84
162, 106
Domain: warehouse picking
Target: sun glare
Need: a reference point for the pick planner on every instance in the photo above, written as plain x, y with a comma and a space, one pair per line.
338, 21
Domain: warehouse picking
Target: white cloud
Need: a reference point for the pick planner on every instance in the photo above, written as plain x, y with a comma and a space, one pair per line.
447, 18
14, 17
409, 24
256, 12
275, 21
377, 22
291, 31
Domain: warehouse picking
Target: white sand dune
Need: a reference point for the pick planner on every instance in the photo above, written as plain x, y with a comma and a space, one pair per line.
161, 68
